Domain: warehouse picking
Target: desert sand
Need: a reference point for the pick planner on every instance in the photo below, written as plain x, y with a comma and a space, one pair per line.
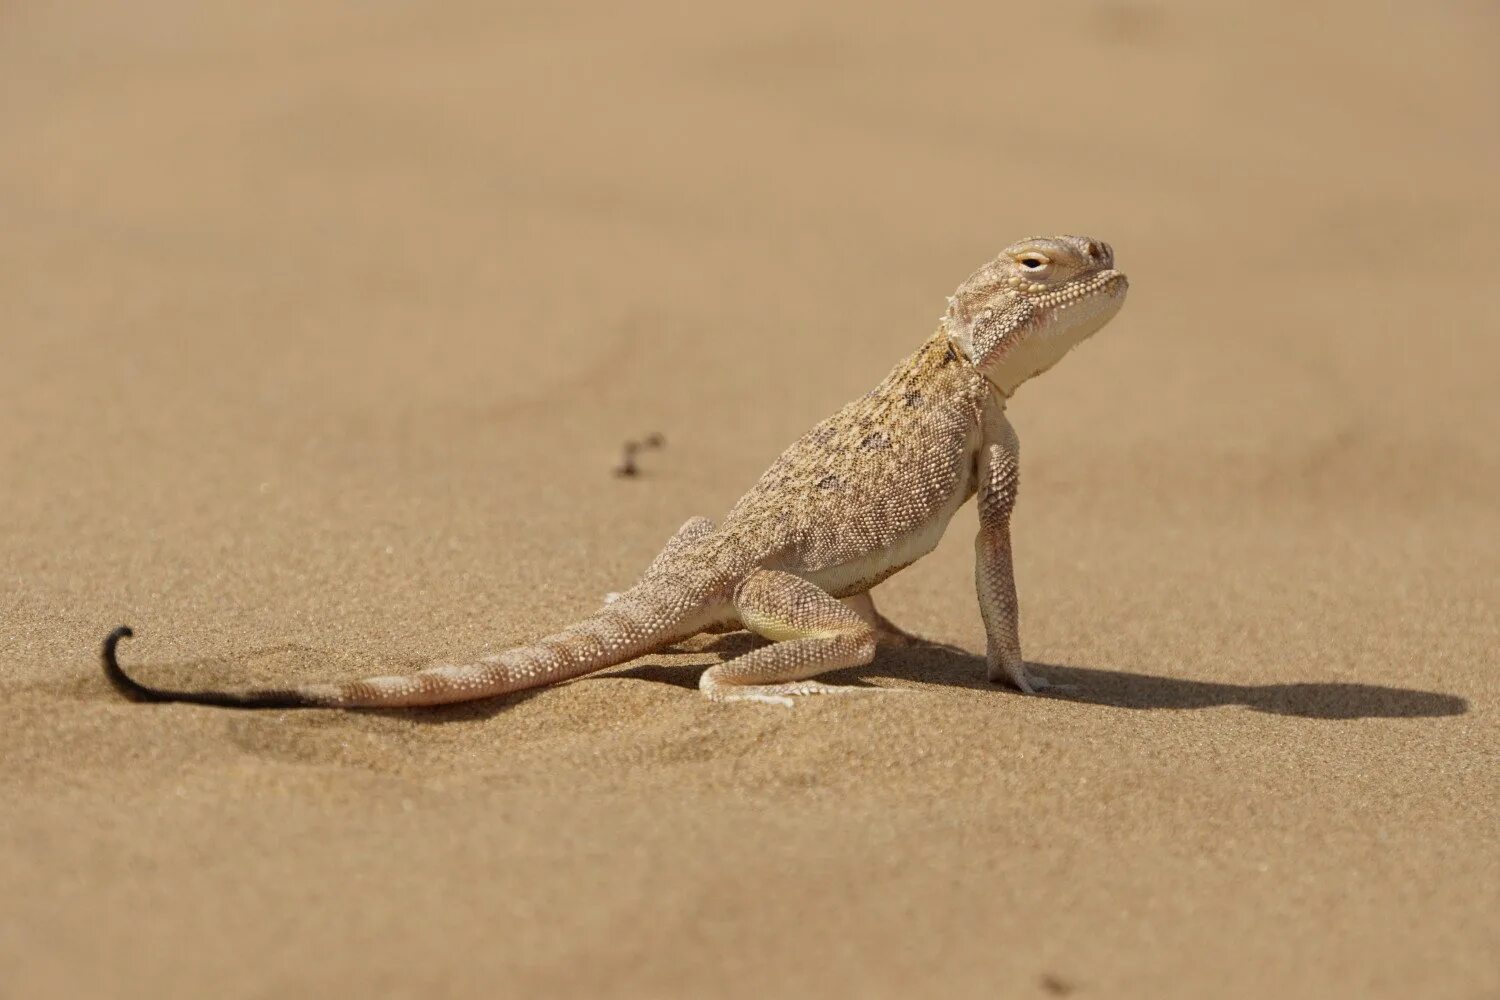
323, 326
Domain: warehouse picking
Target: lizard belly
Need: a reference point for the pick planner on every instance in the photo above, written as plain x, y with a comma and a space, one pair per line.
861, 574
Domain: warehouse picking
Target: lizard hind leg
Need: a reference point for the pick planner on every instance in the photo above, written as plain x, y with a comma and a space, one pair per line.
811, 631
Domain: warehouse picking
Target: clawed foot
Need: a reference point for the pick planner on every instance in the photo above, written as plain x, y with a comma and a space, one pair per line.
782, 694
1041, 685
1024, 680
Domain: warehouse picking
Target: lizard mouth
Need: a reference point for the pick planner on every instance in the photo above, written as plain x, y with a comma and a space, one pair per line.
1110, 283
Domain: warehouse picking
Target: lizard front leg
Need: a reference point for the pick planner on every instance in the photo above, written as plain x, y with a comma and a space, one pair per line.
994, 574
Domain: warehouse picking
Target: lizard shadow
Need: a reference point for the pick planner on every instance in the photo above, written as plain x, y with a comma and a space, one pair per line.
941, 664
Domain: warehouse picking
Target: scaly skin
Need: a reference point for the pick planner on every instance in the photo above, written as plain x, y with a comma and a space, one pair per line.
860, 497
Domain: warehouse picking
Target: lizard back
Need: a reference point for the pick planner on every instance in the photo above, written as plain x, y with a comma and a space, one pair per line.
871, 488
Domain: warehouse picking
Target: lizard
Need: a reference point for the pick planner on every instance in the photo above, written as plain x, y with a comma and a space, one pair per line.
861, 496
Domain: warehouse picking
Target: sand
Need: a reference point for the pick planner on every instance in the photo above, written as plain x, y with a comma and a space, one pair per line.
323, 326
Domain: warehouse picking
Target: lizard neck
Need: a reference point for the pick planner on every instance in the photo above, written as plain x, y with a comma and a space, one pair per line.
999, 392
939, 358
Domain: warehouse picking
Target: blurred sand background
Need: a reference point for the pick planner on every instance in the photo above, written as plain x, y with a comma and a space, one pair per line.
321, 327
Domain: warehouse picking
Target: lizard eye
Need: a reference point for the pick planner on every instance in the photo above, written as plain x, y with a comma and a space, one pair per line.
1032, 261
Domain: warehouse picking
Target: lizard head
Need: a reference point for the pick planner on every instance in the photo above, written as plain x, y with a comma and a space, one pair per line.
1020, 313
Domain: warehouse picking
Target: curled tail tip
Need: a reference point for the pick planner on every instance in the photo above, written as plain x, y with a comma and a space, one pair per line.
136, 691
122, 682
110, 642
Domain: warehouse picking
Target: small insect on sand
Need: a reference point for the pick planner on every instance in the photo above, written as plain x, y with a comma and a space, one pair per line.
627, 468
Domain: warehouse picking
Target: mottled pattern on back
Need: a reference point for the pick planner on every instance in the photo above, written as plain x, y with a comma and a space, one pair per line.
876, 470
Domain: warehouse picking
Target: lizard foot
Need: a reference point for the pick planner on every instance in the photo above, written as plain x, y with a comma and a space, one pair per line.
1024, 680
780, 694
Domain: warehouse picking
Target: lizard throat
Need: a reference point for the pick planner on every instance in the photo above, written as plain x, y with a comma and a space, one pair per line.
1059, 323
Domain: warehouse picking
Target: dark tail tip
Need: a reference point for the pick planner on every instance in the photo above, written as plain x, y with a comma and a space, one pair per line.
136, 691
117, 677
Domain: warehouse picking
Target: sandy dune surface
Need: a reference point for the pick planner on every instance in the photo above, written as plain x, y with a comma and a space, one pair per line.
321, 327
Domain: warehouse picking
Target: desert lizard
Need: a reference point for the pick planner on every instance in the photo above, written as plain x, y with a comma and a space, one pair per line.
861, 496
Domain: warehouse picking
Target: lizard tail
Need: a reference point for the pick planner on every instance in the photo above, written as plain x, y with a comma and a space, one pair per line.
619, 632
